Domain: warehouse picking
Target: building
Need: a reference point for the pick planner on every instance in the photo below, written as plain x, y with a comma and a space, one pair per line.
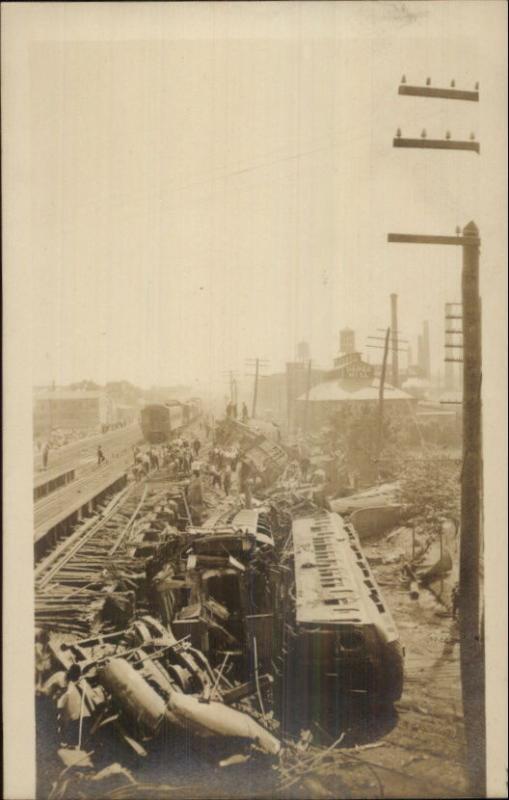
423, 353
278, 393
70, 409
352, 385
303, 351
347, 340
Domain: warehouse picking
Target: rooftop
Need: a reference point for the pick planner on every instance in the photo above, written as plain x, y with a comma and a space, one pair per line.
343, 389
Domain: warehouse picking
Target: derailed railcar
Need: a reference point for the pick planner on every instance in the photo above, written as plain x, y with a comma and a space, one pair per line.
338, 639
160, 421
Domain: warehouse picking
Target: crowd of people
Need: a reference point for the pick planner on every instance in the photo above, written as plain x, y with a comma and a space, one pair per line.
221, 469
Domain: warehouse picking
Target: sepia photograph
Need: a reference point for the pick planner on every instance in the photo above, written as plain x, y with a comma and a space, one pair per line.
255, 363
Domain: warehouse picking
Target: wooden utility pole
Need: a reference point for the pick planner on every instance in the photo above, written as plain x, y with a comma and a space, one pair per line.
233, 384
472, 645
308, 389
394, 329
470, 616
471, 629
257, 363
381, 398
255, 390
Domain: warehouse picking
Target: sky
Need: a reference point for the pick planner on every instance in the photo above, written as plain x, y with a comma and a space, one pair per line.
210, 183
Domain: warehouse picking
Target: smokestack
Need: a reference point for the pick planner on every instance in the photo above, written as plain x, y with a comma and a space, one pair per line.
394, 338
425, 347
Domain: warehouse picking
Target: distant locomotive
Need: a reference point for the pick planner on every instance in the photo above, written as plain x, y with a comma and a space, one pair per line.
338, 628
160, 421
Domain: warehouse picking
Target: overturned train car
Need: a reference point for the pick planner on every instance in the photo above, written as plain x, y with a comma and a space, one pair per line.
339, 641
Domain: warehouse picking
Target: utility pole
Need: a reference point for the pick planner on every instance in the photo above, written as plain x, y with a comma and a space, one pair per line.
257, 363
472, 645
471, 640
255, 390
308, 389
231, 374
381, 398
394, 328
395, 341
471, 629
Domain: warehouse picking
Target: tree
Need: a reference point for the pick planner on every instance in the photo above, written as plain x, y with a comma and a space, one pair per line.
430, 491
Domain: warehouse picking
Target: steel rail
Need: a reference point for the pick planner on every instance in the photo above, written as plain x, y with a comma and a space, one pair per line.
75, 542
128, 525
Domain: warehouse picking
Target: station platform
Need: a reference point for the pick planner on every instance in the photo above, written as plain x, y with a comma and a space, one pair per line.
55, 513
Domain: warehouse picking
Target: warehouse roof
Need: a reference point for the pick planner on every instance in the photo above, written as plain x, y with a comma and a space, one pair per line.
68, 394
348, 389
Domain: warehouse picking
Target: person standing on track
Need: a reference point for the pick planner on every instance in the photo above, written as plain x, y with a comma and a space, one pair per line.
100, 456
45, 455
195, 497
216, 476
227, 479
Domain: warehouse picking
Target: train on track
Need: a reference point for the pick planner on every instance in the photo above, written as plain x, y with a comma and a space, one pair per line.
337, 627
161, 421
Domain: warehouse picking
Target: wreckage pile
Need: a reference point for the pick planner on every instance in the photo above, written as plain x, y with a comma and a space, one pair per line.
155, 634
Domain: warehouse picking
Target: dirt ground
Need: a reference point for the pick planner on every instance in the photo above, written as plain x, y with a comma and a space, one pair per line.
421, 753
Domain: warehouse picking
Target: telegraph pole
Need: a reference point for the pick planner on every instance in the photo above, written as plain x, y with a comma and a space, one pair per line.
395, 341
257, 363
381, 397
471, 640
308, 389
232, 383
471, 634
394, 328
255, 390
472, 646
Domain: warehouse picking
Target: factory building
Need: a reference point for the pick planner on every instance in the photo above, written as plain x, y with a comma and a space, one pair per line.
72, 410
350, 384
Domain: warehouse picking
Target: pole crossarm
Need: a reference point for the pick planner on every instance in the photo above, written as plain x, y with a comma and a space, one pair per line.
444, 94
382, 339
437, 144
417, 238
380, 347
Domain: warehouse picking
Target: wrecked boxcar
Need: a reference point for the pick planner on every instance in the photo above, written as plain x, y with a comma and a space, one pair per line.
223, 590
336, 627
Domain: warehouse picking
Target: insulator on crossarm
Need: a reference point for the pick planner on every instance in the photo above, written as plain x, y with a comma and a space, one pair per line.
448, 134
398, 133
472, 137
458, 230
423, 133
453, 84
428, 81
403, 79
477, 86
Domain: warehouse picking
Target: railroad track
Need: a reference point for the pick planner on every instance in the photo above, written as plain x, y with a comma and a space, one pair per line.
74, 578
86, 565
